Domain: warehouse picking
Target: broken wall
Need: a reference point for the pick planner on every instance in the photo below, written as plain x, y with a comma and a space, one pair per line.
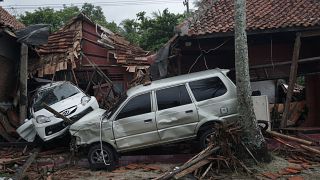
9, 58
313, 100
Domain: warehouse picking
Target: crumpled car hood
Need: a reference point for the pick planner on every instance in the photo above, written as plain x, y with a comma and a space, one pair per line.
88, 128
93, 117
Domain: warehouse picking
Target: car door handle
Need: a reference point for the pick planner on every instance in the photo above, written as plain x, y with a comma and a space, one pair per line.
148, 121
189, 111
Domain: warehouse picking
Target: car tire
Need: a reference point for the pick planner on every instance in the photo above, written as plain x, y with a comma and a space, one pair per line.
205, 137
96, 161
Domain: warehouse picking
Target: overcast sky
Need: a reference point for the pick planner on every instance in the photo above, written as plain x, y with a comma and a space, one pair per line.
114, 10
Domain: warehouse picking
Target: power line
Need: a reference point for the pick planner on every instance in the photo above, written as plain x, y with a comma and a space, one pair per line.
104, 2
111, 3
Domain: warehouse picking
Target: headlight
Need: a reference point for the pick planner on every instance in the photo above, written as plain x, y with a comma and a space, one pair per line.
42, 119
85, 100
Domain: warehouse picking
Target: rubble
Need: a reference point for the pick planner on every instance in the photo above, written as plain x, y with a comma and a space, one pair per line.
221, 156
219, 160
215, 157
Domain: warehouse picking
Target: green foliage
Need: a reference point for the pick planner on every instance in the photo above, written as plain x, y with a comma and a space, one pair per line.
58, 18
151, 33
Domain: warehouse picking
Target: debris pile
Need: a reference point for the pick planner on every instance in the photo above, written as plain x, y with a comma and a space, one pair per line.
31, 162
300, 154
9, 121
217, 156
296, 149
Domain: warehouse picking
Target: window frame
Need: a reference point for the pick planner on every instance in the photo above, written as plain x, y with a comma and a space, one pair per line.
129, 99
216, 76
176, 85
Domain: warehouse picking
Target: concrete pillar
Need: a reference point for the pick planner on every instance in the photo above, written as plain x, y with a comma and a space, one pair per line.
23, 82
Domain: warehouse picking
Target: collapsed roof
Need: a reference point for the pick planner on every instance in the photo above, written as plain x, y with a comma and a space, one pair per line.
7, 20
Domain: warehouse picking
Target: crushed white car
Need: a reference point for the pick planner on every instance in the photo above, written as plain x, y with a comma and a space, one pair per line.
63, 97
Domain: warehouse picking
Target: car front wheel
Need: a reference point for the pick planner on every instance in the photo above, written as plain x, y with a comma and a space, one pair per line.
206, 138
101, 158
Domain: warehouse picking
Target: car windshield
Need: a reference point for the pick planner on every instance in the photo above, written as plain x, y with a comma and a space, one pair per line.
53, 95
117, 104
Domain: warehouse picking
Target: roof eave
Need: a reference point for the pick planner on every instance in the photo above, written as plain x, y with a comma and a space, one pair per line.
251, 32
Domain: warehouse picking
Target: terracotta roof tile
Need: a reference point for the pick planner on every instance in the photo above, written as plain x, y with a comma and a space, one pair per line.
7, 20
261, 15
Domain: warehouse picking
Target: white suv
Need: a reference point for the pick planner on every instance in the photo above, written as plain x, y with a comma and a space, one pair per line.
166, 111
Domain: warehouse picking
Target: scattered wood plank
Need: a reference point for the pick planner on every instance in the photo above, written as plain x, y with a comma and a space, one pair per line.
313, 150
14, 160
298, 140
191, 168
189, 164
20, 173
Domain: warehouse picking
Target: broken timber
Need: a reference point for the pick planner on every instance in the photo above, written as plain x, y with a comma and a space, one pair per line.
21, 171
67, 120
292, 79
207, 152
302, 141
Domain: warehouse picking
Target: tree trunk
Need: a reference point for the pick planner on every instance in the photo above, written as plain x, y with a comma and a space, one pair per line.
252, 136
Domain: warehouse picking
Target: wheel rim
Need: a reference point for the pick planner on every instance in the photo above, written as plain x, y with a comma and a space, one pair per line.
96, 156
208, 139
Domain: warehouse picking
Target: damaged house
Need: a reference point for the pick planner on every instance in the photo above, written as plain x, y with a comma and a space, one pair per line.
94, 58
206, 41
12, 101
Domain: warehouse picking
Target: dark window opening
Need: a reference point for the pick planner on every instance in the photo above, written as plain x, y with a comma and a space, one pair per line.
207, 88
138, 105
172, 97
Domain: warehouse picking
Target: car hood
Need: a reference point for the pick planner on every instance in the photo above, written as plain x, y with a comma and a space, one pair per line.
61, 105
91, 120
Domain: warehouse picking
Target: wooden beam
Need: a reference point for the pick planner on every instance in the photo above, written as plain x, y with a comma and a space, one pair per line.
57, 114
23, 82
310, 33
292, 79
313, 150
298, 140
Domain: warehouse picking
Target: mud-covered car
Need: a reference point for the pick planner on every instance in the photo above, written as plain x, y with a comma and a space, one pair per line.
63, 97
166, 111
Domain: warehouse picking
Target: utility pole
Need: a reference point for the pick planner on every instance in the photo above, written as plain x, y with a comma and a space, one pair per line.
251, 135
186, 3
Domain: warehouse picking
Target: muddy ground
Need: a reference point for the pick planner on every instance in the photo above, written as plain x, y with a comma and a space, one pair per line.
60, 166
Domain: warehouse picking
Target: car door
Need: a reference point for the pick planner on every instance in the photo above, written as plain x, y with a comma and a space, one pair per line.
176, 115
214, 98
135, 124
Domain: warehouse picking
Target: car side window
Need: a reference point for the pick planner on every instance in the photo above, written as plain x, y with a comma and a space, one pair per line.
138, 105
172, 97
207, 88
